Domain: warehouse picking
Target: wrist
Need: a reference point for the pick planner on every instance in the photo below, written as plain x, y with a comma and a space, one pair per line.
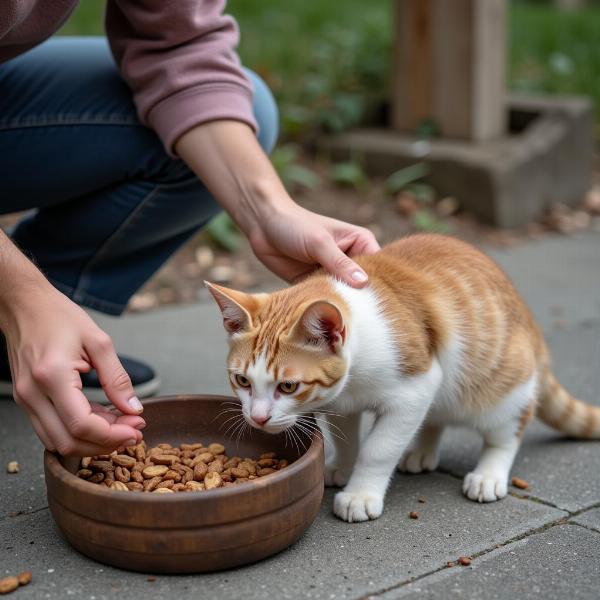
260, 201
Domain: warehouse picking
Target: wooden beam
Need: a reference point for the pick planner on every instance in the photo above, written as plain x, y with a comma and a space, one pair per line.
449, 66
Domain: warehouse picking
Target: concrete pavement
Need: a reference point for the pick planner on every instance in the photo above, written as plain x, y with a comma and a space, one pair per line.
541, 542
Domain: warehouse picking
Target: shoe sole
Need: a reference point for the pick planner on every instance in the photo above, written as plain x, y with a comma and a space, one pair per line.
143, 390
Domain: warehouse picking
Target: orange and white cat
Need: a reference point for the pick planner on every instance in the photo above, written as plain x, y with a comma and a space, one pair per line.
438, 337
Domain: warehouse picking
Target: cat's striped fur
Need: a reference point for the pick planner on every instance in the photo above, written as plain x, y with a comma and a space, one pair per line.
438, 337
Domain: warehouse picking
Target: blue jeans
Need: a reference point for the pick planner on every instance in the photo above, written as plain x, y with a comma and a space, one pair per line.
110, 205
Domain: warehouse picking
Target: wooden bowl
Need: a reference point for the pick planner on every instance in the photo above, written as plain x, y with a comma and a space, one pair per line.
197, 531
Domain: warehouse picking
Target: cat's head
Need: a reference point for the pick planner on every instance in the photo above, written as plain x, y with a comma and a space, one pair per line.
287, 352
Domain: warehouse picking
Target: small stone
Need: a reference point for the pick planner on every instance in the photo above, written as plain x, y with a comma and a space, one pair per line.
450, 564
151, 579
446, 207
406, 204
12, 467
205, 257
465, 561
422, 499
221, 273
143, 301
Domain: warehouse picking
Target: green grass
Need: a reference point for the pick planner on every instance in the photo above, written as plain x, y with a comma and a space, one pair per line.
328, 61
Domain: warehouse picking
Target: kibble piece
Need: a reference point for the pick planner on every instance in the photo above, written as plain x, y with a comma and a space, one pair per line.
122, 474
24, 577
232, 462
166, 483
520, 483
174, 475
102, 465
8, 584
266, 462
265, 471
216, 448
109, 477
84, 473
249, 466
194, 486
205, 457
163, 490
119, 486
422, 500
12, 467
85, 462
268, 455
123, 460
282, 464
465, 561
137, 476
155, 471
200, 471
239, 472
413, 514
164, 446
150, 484
134, 486
96, 478
215, 465
164, 459
140, 453
212, 480
178, 487
190, 447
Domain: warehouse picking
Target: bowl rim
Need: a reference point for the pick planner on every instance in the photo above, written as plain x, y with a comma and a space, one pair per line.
60, 473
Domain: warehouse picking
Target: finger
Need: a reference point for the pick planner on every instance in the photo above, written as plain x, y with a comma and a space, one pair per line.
339, 264
115, 381
41, 433
365, 243
62, 387
111, 416
65, 443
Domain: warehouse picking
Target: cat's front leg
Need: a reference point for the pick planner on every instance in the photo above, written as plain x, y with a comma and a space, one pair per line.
362, 499
344, 437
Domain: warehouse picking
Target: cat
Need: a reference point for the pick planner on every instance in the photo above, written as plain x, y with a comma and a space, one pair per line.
438, 337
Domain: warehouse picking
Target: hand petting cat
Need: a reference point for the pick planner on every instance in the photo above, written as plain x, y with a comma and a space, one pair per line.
292, 242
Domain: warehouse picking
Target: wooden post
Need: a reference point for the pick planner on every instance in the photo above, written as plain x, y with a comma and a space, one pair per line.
449, 66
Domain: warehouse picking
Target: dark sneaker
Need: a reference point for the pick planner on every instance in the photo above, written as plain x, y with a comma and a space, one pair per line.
144, 379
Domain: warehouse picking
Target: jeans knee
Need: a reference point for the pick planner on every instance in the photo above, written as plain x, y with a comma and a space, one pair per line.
266, 112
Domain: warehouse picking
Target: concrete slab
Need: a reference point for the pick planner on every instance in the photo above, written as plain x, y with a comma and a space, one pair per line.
558, 276
560, 471
555, 564
332, 560
589, 519
545, 157
24, 491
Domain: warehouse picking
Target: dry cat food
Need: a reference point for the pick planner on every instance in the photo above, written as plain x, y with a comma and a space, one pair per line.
10, 584
165, 469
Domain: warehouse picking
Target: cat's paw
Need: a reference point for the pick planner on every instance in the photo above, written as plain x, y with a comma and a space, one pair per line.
357, 506
484, 488
336, 476
418, 460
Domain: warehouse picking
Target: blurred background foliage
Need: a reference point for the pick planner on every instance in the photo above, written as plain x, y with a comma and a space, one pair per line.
328, 62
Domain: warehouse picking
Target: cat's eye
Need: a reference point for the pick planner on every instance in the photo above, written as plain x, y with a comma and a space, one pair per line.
242, 381
287, 387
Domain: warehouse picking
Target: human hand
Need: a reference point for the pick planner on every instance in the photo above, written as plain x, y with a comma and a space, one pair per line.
50, 341
292, 241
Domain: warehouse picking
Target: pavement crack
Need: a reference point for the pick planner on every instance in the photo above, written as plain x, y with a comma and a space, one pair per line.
557, 522
23, 513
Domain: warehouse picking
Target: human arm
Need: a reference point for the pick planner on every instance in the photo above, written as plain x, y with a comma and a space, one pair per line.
50, 340
288, 239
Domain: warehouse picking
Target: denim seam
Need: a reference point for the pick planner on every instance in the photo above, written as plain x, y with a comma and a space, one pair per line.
90, 301
84, 278
54, 122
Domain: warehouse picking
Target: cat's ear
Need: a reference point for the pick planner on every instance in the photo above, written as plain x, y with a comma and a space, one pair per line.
235, 306
321, 324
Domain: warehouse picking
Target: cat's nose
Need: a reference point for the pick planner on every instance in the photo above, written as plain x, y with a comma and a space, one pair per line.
261, 420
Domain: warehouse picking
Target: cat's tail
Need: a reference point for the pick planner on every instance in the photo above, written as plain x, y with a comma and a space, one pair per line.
562, 411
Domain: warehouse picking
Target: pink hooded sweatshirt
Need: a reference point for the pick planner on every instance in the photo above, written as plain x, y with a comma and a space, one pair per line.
178, 56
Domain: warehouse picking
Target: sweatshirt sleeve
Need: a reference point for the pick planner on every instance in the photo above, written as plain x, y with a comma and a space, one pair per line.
178, 57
